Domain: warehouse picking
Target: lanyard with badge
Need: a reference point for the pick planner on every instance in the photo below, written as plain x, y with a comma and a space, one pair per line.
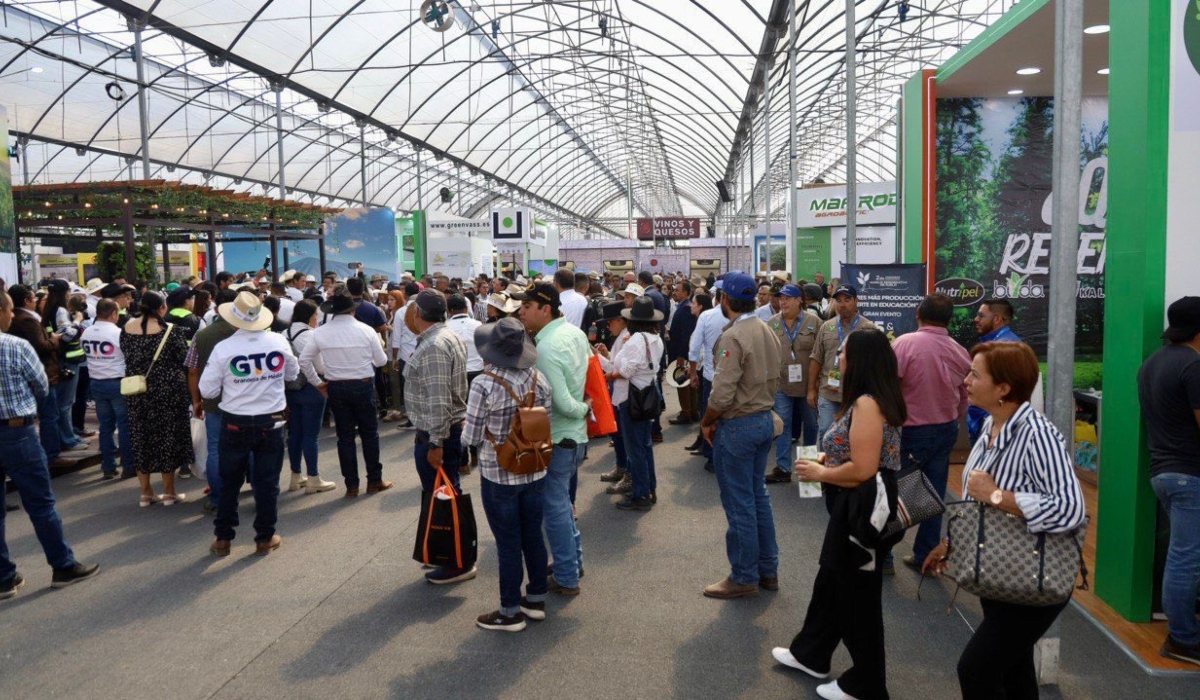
834, 379
795, 369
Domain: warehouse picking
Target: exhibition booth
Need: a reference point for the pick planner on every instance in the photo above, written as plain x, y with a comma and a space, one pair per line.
975, 201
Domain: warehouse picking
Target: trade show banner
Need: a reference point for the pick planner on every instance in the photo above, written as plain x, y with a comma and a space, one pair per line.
993, 213
888, 294
1183, 170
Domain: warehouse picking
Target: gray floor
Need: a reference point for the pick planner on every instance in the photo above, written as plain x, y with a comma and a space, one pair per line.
341, 609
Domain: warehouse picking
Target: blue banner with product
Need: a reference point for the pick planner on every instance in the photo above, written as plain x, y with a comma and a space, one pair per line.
888, 295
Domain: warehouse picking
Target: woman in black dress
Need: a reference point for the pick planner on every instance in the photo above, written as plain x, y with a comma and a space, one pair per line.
158, 419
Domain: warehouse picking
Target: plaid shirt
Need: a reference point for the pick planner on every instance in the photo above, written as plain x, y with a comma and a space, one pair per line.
22, 378
491, 407
435, 382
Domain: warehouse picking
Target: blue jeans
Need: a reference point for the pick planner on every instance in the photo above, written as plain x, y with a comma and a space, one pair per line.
113, 414
515, 515
23, 461
740, 451
48, 433
825, 412
452, 458
639, 451
306, 409
243, 437
622, 459
64, 397
788, 407
930, 446
212, 463
561, 531
355, 412
1180, 496
706, 450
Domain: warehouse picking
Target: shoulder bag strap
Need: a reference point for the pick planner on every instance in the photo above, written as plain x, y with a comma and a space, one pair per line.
161, 343
531, 396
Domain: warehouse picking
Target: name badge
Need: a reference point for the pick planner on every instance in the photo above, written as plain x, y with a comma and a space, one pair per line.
795, 372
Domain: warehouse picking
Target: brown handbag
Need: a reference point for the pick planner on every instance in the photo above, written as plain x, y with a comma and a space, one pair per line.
527, 447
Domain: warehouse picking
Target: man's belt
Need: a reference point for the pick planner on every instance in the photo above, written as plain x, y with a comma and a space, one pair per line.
19, 422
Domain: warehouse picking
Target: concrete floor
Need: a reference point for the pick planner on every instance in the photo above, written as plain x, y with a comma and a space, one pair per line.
342, 611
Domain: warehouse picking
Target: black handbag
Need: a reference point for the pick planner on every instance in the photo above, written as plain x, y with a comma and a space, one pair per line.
645, 403
916, 500
446, 532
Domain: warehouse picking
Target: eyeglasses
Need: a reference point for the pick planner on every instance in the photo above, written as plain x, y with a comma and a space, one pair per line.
985, 316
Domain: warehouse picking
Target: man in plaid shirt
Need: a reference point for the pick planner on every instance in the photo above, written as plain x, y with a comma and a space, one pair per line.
512, 502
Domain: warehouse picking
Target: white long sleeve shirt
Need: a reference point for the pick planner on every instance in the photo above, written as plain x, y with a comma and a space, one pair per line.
248, 370
348, 349
709, 325
572, 304
634, 366
404, 341
463, 325
101, 343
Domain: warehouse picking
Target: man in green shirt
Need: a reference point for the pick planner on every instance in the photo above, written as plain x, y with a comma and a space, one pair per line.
562, 358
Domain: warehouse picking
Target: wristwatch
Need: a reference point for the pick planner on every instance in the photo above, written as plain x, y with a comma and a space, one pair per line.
997, 497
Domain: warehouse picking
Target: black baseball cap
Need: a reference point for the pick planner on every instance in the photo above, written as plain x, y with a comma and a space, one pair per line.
847, 290
1183, 319
543, 293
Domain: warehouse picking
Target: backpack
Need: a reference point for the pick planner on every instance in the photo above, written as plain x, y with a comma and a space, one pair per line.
527, 447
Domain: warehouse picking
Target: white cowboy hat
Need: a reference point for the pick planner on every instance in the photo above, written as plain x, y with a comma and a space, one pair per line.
93, 285
677, 374
246, 312
503, 302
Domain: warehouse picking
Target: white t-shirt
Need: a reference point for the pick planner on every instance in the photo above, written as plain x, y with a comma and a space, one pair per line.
286, 306
464, 327
248, 370
572, 304
101, 343
294, 294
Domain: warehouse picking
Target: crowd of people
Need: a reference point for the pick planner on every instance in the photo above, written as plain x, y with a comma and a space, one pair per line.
760, 364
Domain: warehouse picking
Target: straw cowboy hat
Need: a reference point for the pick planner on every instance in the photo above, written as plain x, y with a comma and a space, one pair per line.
246, 312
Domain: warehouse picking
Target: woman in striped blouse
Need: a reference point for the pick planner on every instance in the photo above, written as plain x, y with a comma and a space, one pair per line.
1021, 465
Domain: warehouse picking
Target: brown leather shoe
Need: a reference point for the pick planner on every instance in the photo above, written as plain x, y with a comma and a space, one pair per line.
379, 486
262, 549
768, 583
351, 492
220, 548
728, 588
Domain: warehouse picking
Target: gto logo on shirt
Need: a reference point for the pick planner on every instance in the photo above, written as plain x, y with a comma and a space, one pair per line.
256, 364
98, 348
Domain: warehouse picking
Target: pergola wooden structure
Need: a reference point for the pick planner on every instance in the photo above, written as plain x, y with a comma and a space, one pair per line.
175, 212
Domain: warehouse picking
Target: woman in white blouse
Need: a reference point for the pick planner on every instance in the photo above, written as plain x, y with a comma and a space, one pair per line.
636, 364
1021, 465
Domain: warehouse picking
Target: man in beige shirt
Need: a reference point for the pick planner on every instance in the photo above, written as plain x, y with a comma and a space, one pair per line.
740, 425
824, 376
796, 330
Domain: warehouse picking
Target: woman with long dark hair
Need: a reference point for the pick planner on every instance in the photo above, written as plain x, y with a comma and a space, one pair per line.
56, 317
158, 419
201, 303
846, 605
306, 407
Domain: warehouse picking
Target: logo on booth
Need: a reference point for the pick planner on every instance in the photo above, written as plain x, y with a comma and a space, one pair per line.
98, 348
1191, 33
256, 364
963, 291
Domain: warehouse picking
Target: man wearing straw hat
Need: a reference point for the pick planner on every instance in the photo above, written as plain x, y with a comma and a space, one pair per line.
248, 371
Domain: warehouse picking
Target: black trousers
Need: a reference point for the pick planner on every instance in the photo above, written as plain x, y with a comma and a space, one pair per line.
846, 607
998, 661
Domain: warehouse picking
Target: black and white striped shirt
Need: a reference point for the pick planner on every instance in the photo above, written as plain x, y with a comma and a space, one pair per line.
1029, 457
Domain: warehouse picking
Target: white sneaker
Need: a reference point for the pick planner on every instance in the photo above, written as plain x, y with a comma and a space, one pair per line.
317, 485
784, 656
297, 482
831, 691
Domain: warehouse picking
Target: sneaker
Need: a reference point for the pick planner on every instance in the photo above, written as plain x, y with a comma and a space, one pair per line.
532, 610
73, 574
501, 623
784, 656
553, 585
614, 476
831, 691
643, 503
77, 447
778, 476
911, 562
446, 575
9, 588
108, 476
405, 424
85, 433
625, 485
1170, 649
185, 473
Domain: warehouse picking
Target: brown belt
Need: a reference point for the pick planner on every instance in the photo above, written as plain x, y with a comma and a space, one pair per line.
19, 422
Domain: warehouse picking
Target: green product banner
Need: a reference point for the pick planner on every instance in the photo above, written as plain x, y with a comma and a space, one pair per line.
994, 207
